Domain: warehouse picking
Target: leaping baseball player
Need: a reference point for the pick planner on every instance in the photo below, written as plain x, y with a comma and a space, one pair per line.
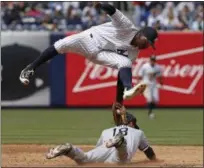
115, 145
149, 73
115, 44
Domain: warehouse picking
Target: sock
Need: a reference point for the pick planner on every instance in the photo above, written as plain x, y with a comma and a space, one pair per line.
150, 107
125, 75
120, 90
46, 55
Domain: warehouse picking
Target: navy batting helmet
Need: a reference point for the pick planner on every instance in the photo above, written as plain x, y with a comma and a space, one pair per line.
132, 118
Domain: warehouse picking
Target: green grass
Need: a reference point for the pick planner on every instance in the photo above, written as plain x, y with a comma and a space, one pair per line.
172, 127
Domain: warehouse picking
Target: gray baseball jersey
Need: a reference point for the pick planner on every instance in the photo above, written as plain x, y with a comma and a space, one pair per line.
107, 44
135, 139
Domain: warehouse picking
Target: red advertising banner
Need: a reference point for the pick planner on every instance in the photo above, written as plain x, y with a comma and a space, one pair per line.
179, 54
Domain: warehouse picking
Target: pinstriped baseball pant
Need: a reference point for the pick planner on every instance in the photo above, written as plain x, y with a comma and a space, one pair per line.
83, 44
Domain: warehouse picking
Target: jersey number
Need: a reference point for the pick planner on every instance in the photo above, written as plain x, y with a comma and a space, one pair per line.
124, 131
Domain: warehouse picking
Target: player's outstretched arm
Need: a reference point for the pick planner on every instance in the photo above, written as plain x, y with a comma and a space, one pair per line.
144, 146
117, 17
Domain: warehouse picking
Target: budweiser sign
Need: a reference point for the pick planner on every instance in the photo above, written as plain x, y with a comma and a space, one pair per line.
170, 70
89, 84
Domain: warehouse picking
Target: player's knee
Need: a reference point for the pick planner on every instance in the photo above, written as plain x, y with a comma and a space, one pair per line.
125, 63
59, 46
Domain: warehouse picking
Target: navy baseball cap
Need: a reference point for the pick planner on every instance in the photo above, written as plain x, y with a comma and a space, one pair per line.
151, 35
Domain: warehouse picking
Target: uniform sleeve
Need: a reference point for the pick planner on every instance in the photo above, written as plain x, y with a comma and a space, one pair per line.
117, 17
143, 142
120, 20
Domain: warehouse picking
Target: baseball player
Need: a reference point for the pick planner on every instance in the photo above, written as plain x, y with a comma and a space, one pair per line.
149, 73
115, 44
115, 145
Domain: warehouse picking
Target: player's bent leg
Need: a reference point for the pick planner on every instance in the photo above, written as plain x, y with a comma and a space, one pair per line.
134, 91
28, 72
100, 154
119, 142
79, 43
124, 64
122, 153
116, 141
59, 150
68, 150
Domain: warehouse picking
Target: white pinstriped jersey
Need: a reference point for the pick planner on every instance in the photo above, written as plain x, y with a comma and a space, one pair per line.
107, 44
116, 35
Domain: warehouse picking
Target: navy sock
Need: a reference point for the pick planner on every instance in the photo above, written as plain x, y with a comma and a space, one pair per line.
46, 55
150, 107
120, 90
125, 75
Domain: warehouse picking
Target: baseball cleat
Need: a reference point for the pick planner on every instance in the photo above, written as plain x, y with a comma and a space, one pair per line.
151, 116
59, 150
116, 141
134, 91
25, 75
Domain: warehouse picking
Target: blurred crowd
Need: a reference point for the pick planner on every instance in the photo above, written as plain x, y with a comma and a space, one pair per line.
62, 16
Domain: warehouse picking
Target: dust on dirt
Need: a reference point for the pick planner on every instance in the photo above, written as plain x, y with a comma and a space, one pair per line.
27, 155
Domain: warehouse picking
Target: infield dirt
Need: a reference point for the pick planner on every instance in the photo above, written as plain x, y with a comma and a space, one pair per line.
24, 155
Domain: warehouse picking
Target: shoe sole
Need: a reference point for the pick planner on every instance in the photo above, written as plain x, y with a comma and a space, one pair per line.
65, 148
141, 88
117, 141
24, 81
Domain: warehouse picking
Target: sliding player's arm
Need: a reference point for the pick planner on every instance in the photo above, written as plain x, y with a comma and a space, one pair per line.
144, 146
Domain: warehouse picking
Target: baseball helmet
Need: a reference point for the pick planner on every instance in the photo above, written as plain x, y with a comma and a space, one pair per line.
132, 118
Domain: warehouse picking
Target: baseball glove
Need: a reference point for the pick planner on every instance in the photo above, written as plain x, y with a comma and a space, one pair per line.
119, 114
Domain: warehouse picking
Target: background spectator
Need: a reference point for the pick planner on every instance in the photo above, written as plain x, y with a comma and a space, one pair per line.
62, 16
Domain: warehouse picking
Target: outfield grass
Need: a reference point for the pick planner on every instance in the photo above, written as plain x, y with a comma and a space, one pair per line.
172, 127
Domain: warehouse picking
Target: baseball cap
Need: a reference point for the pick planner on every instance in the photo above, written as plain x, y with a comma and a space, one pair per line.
151, 35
